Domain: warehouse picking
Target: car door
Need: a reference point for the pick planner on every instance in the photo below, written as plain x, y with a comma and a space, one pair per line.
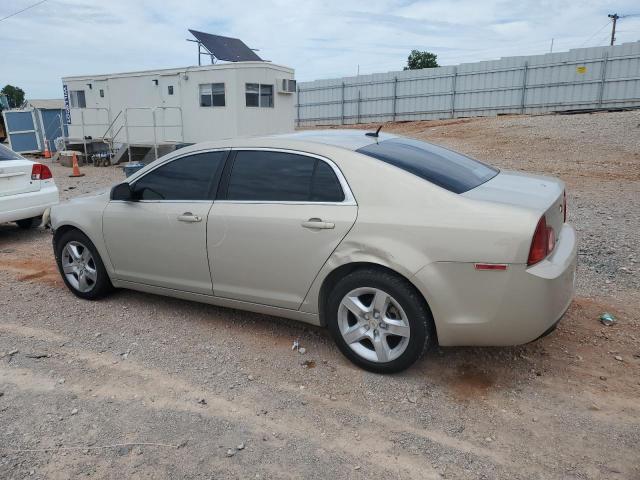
279, 216
160, 238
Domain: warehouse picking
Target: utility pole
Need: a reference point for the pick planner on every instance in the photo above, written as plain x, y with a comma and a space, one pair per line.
551, 49
614, 18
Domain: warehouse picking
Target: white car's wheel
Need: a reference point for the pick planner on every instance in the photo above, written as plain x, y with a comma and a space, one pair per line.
28, 223
379, 321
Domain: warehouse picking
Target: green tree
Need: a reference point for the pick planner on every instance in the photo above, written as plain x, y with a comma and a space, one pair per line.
418, 59
15, 95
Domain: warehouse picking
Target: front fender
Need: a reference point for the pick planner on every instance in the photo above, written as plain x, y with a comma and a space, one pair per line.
84, 214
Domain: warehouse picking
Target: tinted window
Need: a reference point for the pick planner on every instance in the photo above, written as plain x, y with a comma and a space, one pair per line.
280, 176
445, 168
325, 186
6, 154
188, 178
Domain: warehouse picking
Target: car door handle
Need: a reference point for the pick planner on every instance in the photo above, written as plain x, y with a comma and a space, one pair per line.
189, 217
317, 223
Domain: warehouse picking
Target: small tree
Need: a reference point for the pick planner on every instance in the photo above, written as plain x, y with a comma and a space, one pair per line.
418, 59
15, 95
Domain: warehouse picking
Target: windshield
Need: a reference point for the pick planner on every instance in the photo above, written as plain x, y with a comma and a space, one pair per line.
6, 154
445, 168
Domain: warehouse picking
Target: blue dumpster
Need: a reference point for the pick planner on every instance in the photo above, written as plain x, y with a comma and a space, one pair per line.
131, 168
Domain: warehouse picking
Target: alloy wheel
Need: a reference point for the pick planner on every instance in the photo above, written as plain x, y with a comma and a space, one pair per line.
79, 266
373, 324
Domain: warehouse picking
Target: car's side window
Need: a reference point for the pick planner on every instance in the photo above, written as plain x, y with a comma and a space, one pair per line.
325, 186
193, 177
280, 176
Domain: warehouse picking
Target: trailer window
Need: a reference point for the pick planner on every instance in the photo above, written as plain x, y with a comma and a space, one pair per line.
266, 95
211, 95
253, 94
77, 99
170, 89
259, 95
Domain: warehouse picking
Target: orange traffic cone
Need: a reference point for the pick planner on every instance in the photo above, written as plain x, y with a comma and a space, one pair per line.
47, 153
76, 168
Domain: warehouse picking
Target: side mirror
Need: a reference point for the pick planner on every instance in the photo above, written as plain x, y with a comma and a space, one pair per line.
122, 191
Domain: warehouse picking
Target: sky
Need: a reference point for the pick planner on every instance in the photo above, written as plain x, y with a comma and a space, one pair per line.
319, 39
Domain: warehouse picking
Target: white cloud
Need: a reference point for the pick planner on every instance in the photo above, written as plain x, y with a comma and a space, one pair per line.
319, 39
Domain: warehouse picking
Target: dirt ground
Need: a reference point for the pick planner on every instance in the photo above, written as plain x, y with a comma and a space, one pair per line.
140, 386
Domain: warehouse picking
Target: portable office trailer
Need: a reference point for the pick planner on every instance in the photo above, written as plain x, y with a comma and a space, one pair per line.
40, 120
181, 105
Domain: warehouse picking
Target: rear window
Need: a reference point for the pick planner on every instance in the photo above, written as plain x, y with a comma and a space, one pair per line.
445, 168
6, 154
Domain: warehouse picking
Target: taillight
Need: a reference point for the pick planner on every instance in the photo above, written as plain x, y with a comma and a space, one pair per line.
564, 205
40, 172
551, 240
544, 241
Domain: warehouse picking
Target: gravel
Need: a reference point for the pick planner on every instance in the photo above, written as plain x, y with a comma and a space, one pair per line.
200, 381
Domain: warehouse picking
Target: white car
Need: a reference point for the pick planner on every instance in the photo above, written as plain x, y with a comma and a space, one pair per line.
393, 244
27, 189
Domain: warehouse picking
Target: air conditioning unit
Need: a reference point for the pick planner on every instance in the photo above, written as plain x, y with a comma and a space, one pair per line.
286, 85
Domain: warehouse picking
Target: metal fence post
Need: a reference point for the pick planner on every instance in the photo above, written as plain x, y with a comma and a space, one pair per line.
298, 104
395, 96
62, 128
358, 110
155, 137
525, 70
603, 78
181, 124
453, 91
342, 106
126, 131
84, 137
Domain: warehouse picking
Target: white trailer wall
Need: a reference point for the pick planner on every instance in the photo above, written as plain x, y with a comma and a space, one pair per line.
129, 101
585, 78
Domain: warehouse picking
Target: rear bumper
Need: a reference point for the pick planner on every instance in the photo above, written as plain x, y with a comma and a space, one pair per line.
27, 205
500, 308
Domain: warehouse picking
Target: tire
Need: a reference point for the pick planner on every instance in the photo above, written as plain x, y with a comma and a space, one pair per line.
27, 223
372, 343
89, 266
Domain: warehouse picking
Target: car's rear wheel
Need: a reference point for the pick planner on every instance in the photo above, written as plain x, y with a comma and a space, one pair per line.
379, 320
27, 223
81, 266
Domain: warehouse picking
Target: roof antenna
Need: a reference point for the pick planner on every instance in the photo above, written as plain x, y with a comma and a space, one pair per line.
374, 134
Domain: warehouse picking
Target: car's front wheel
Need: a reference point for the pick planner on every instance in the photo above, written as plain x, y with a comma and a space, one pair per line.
379, 320
81, 266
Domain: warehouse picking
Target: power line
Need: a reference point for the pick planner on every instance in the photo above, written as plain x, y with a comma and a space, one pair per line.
597, 32
23, 10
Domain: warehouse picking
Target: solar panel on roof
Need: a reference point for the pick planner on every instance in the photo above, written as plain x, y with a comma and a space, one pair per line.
226, 48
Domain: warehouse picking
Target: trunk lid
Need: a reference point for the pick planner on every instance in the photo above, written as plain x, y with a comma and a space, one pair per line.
15, 177
544, 195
